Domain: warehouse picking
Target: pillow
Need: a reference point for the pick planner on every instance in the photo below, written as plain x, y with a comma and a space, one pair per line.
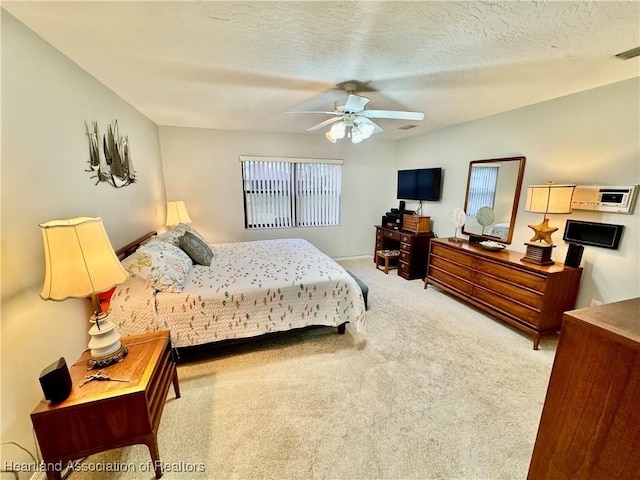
173, 235
183, 227
161, 264
198, 250
170, 236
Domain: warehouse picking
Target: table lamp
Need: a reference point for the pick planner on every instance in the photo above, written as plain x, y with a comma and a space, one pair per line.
80, 262
546, 199
177, 213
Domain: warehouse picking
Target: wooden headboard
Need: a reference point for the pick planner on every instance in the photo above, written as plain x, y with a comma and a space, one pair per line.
129, 248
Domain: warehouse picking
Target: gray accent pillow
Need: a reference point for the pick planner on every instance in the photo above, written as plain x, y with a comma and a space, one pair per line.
197, 250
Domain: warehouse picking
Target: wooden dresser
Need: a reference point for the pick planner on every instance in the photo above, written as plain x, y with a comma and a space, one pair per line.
528, 296
590, 424
413, 247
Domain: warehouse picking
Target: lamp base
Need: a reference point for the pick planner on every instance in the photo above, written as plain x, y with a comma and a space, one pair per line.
105, 344
101, 362
538, 253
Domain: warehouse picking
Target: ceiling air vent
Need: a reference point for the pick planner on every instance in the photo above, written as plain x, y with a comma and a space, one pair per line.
407, 127
629, 54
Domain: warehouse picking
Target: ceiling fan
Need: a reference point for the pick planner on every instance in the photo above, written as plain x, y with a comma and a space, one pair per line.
354, 120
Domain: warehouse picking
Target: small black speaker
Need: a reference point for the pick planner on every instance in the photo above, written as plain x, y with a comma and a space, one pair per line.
574, 255
402, 205
56, 381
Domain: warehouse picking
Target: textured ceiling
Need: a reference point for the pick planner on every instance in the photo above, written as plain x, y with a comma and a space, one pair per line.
243, 65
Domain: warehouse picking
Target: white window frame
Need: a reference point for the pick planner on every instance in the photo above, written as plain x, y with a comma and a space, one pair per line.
288, 192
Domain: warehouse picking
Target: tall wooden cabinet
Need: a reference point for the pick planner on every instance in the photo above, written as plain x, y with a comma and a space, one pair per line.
413, 247
528, 296
590, 424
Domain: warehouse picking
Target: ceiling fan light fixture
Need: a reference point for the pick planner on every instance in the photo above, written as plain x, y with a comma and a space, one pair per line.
354, 120
338, 130
366, 129
348, 127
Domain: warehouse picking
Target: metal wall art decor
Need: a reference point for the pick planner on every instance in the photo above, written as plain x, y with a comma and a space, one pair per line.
114, 166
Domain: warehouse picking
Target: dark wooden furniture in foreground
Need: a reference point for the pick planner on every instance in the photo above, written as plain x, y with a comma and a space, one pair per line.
590, 424
413, 250
528, 296
102, 415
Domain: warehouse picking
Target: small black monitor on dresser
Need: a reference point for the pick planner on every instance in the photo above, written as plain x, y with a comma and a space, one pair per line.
596, 234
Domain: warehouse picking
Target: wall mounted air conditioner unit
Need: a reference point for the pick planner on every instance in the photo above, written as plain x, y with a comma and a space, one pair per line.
612, 199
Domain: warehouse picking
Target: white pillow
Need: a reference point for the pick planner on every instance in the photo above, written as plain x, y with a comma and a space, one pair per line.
161, 264
173, 235
183, 227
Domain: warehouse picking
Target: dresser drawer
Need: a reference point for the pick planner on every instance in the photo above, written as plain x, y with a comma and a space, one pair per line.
451, 280
513, 275
452, 268
404, 268
452, 254
405, 256
508, 306
391, 235
501, 287
405, 246
404, 238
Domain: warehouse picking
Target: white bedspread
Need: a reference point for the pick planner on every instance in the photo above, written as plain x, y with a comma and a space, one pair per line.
500, 230
250, 289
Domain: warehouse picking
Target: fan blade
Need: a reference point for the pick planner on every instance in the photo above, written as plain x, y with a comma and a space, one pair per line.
355, 103
324, 124
314, 111
393, 114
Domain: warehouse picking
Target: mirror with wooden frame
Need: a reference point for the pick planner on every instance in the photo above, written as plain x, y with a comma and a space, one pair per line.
491, 202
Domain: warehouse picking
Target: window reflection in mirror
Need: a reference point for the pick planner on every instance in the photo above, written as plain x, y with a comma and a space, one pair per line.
491, 203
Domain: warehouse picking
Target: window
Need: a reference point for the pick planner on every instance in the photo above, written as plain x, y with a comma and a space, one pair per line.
482, 190
291, 192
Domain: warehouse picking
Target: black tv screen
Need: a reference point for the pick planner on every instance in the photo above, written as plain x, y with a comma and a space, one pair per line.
420, 184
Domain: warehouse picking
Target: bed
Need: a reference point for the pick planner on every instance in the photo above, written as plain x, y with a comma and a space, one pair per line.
500, 230
249, 289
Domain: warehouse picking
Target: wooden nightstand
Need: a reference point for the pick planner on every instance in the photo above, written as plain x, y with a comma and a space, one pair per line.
102, 415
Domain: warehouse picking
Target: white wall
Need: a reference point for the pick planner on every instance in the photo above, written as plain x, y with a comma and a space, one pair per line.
46, 99
591, 137
202, 168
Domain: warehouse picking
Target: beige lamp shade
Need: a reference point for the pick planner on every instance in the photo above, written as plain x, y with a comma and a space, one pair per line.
177, 213
79, 259
549, 198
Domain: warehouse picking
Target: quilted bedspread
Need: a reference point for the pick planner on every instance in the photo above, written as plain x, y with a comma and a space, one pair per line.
251, 288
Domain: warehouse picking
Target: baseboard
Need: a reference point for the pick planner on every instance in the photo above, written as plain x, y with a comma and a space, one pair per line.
358, 257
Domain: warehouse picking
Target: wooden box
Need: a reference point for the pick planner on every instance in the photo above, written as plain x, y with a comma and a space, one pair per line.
416, 224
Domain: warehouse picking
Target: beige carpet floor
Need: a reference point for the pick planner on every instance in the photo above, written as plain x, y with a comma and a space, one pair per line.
434, 390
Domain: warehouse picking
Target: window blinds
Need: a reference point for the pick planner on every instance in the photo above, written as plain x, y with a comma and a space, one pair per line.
317, 194
484, 181
267, 194
281, 193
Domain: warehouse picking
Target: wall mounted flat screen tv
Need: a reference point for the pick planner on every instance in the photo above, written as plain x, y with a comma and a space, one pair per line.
420, 184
